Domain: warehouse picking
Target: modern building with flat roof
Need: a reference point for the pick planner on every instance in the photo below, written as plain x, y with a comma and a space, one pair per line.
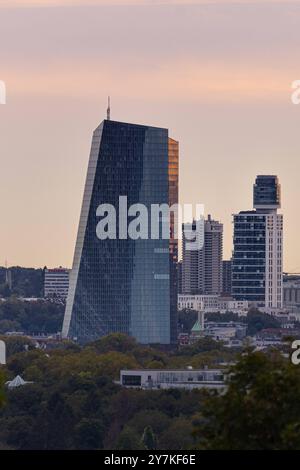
56, 283
189, 378
212, 304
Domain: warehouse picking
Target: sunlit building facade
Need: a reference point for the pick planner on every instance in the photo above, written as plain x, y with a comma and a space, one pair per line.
125, 285
257, 265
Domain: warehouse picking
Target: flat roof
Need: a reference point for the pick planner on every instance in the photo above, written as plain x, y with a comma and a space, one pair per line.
171, 370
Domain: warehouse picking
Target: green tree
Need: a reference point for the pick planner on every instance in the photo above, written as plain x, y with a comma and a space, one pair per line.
129, 440
257, 321
89, 434
186, 320
149, 438
260, 409
178, 435
114, 342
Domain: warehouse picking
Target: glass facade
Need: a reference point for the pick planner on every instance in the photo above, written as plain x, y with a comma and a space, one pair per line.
173, 171
125, 285
249, 257
257, 262
266, 192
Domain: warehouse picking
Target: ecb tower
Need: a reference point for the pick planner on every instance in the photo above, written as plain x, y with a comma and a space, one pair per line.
125, 285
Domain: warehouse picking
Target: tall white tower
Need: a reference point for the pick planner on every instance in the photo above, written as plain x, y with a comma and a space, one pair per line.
257, 265
267, 200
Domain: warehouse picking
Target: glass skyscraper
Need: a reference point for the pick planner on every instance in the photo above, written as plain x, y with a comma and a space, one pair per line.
266, 193
257, 262
123, 284
249, 257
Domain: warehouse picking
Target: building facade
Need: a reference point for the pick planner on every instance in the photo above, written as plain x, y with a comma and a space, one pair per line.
213, 256
121, 284
212, 304
291, 293
173, 378
56, 283
179, 277
202, 268
198, 302
257, 266
192, 270
227, 274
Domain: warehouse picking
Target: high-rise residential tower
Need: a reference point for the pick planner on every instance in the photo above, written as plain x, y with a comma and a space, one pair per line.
192, 270
213, 256
257, 265
202, 268
125, 284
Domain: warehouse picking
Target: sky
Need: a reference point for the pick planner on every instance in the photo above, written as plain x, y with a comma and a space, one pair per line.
217, 73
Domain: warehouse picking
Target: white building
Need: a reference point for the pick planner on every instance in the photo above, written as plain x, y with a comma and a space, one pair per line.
274, 263
212, 303
198, 302
257, 262
291, 292
56, 282
173, 378
240, 307
17, 382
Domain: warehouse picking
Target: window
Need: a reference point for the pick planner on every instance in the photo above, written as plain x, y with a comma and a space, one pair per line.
132, 380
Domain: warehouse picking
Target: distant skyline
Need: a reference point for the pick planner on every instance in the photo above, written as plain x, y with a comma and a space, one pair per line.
217, 74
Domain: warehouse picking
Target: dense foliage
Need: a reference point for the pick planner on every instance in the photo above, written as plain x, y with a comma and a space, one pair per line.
42, 316
75, 402
26, 282
260, 411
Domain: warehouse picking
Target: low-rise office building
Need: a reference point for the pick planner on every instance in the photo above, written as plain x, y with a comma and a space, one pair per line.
291, 292
189, 378
198, 302
212, 303
56, 283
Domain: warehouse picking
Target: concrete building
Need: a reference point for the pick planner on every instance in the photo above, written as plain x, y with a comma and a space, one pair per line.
225, 331
291, 293
212, 303
193, 259
213, 255
202, 268
56, 283
228, 304
257, 265
190, 378
198, 302
226, 273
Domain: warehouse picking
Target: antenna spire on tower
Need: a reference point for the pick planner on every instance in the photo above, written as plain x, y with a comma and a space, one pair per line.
108, 109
